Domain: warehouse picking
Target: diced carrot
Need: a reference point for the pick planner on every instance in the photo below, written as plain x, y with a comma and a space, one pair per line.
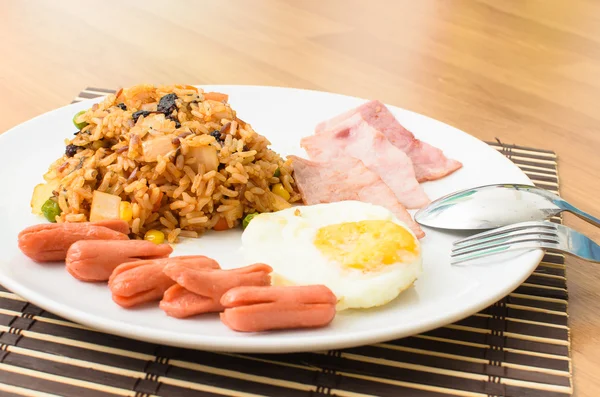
216, 96
221, 225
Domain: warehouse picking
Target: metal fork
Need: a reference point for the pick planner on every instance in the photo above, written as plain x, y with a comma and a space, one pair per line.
525, 235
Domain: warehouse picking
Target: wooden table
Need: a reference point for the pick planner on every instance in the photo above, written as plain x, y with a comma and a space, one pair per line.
527, 72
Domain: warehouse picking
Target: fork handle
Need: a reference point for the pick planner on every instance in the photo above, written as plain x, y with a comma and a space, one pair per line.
581, 214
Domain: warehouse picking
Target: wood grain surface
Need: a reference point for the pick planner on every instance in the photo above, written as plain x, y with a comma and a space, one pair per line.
526, 72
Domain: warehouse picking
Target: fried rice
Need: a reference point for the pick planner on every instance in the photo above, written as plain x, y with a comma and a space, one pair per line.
181, 157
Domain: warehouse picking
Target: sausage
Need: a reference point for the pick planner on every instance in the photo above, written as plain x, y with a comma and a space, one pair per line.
244, 296
117, 225
255, 309
139, 282
199, 290
143, 281
50, 242
178, 302
274, 316
214, 283
150, 295
95, 260
193, 261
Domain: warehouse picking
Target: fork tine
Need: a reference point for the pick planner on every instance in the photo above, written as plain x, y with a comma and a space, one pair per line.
509, 228
467, 256
525, 235
540, 233
509, 241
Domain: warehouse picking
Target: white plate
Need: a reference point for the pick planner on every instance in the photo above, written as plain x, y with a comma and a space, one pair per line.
443, 294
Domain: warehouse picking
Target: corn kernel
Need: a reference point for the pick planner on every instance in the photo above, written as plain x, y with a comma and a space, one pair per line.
155, 236
125, 211
279, 190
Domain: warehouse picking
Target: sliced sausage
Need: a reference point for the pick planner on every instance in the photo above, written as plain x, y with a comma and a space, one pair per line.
256, 309
273, 316
117, 225
178, 302
143, 281
214, 283
95, 260
243, 296
50, 242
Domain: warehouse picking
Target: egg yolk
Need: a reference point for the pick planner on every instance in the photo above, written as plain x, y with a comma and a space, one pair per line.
366, 245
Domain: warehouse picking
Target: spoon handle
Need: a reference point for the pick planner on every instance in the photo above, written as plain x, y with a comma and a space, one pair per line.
583, 215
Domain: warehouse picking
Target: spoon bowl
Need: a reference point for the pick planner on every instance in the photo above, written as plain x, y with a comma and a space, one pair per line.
491, 206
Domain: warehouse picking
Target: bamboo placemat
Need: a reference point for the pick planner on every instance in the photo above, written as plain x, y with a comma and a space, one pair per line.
516, 347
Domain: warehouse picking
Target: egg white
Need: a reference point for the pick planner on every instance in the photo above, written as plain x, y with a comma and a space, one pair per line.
285, 241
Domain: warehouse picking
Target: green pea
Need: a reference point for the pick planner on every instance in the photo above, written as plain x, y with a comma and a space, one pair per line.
247, 219
79, 125
277, 173
51, 209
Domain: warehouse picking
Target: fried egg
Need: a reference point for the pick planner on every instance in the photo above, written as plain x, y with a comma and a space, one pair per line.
361, 251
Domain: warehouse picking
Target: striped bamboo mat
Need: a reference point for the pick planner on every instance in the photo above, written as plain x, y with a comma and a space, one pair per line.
516, 347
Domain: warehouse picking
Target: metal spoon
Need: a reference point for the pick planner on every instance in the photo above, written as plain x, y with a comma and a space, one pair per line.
492, 206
